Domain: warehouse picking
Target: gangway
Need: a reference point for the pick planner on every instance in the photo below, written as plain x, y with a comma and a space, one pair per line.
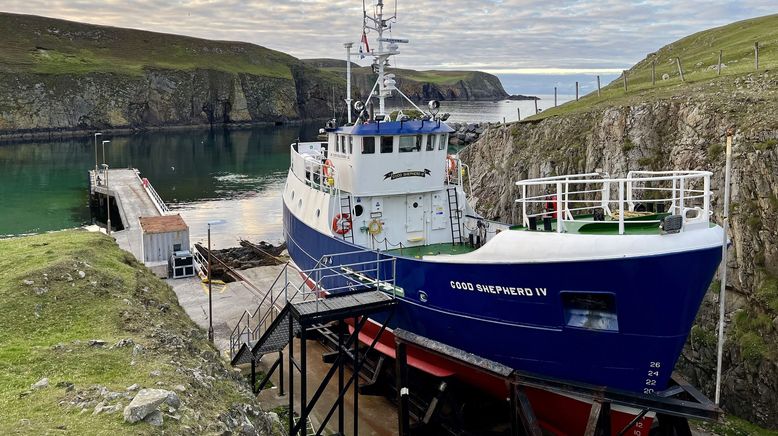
293, 308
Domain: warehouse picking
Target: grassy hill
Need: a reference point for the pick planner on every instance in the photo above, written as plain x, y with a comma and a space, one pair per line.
44, 45
698, 54
448, 84
58, 292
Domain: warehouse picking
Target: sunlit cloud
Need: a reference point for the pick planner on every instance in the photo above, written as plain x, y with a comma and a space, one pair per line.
508, 36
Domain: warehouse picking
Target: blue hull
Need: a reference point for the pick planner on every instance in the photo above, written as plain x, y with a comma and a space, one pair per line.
515, 313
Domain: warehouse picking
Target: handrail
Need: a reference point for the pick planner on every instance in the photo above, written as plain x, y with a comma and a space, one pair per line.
326, 268
592, 191
159, 204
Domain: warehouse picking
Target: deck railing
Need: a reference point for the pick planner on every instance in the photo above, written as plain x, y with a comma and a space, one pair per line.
685, 193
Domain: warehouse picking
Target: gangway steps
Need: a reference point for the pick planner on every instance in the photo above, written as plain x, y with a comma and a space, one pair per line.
309, 313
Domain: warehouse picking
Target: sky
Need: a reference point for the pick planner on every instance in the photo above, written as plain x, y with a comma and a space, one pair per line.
547, 38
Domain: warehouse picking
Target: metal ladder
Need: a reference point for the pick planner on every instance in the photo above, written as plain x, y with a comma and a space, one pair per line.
454, 216
345, 208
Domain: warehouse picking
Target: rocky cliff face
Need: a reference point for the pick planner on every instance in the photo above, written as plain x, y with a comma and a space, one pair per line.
683, 132
31, 103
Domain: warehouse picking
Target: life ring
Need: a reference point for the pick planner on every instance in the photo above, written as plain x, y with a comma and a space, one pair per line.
327, 169
451, 165
375, 227
341, 224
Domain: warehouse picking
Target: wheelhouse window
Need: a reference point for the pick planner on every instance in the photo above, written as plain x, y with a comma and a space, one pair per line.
407, 144
368, 144
442, 141
350, 145
431, 142
387, 144
342, 144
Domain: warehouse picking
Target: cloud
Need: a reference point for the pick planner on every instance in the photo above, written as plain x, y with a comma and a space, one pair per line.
509, 36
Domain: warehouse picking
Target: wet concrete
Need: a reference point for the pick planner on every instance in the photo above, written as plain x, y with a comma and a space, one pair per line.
377, 415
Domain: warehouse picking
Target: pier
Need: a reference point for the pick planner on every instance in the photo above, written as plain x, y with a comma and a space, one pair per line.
129, 198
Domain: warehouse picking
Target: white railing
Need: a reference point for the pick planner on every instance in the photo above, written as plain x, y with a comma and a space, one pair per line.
159, 204
686, 192
311, 169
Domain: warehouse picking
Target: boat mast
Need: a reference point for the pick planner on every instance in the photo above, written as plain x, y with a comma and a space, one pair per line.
378, 23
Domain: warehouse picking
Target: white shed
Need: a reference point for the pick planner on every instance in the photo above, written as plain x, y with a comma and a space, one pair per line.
162, 235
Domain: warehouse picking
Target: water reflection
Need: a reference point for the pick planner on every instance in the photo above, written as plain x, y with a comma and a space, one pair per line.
235, 175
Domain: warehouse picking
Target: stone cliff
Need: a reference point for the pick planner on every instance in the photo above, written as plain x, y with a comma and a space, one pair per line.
682, 131
59, 76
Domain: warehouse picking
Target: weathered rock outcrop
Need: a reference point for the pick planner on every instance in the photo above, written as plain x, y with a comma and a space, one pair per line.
43, 102
60, 76
685, 131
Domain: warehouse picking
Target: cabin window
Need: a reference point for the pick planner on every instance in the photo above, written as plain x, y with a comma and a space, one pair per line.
387, 144
442, 141
419, 140
431, 142
350, 145
368, 145
407, 144
342, 144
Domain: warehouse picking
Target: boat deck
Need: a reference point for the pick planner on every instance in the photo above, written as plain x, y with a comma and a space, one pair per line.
431, 250
585, 225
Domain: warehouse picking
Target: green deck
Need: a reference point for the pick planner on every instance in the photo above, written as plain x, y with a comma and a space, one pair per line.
585, 226
431, 250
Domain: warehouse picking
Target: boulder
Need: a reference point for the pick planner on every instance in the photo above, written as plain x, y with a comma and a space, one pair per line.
154, 418
146, 402
41, 384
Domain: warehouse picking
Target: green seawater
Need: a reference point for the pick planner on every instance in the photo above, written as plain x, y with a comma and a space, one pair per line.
206, 175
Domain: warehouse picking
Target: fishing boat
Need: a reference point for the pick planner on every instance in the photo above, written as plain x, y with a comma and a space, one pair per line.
598, 280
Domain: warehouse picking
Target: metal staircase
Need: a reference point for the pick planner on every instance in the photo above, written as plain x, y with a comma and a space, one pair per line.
454, 215
345, 286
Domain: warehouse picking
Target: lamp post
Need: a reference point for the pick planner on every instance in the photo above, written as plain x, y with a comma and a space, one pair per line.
105, 142
107, 198
96, 165
210, 285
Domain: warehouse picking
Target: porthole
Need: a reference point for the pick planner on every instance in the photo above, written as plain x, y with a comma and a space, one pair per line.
292, 195
358, 209
415, 205
300, 203
318, 212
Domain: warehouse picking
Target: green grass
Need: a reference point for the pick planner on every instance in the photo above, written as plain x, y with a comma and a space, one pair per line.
49, 46
46, 335
733, 426
698, 54
436, 77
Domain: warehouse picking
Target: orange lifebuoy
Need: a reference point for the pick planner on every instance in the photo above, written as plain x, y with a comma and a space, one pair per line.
341, 224
327, 170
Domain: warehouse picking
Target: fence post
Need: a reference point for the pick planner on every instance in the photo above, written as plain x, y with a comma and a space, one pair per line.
555, 96
756, 55
576, 91
518, 113
598, 86
624, 75
536, 105
719, 65
680, 70
653, 72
